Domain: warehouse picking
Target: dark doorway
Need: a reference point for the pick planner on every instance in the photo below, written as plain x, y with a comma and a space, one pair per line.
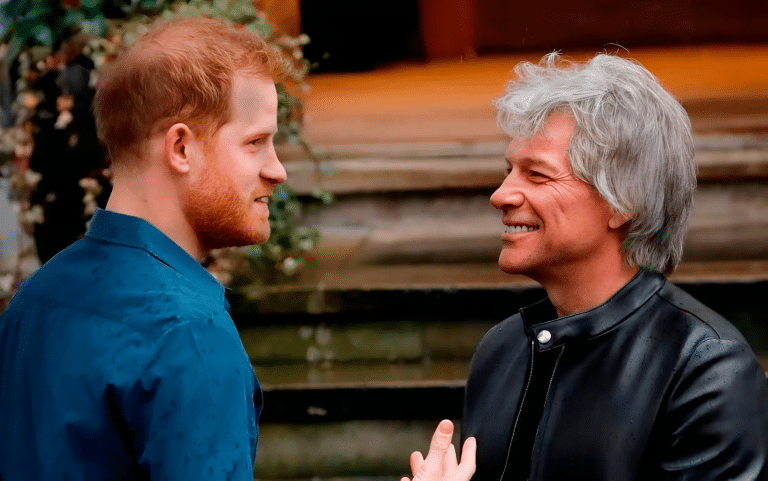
509, 25
354, 35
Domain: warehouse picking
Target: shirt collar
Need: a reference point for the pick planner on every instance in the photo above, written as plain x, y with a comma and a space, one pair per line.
135, 232
541, 323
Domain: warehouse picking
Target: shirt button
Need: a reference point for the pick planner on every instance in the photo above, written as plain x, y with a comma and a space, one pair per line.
544, 337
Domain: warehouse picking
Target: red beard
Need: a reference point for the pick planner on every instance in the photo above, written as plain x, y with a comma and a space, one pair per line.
220, 216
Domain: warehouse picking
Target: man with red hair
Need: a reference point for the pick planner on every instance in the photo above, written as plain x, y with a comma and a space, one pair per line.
119, 357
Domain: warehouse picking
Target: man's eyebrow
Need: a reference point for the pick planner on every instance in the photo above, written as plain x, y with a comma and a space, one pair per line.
268, 130
529, 162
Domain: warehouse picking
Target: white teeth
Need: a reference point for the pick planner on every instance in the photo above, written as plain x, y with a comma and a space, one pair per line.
264, 199
513, 229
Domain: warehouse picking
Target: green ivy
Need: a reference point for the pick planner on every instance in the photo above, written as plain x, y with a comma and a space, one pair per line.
37, 28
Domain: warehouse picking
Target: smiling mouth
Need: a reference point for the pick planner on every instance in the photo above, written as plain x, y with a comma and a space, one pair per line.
514, 229
264, 199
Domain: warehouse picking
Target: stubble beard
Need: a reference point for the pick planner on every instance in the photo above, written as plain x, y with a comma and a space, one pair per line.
218, 214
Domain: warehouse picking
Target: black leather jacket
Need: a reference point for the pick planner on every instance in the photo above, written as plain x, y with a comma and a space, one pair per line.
651, 385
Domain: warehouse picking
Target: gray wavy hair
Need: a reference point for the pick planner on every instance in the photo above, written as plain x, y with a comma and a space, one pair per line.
632, 141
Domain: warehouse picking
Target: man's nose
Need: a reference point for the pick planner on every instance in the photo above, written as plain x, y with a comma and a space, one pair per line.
509, 194
273, 170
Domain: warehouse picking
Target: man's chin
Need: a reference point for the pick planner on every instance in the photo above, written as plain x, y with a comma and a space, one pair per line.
249, 241
513, 268
258, 234
261, 235
235, 238
508, 267
509, 270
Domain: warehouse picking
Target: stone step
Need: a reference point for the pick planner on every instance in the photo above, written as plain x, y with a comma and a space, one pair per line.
341, 420
397, 167
339, 392
453, 287
339, 349
385, 313
419, 325
428, 203
350, 394
381, 322
366, 337
729, 221
423, 336
355, 450
435, 401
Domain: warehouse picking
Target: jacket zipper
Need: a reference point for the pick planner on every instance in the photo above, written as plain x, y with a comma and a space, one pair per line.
549, 386
525, 393
517, 418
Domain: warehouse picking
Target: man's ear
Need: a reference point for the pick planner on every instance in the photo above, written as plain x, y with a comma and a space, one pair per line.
617, 220
180, 147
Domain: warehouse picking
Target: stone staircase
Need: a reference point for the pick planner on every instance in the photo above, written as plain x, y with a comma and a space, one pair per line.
367, 348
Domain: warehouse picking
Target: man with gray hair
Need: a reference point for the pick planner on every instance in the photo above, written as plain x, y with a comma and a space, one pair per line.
618, 374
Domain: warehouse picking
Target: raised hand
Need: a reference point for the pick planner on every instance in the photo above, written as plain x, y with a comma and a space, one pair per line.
441, 463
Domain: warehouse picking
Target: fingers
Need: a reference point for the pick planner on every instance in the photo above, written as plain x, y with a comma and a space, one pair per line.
416, 461
449, 459
442, 438
466, 468
441, 463
469, 450
432, 467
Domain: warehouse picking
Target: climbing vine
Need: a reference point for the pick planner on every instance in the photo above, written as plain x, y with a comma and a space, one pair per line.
53, 52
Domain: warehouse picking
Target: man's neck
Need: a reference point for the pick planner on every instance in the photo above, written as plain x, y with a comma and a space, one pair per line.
575, 291
158, 203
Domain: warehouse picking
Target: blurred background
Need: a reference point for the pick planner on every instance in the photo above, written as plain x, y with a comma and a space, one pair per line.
362, 312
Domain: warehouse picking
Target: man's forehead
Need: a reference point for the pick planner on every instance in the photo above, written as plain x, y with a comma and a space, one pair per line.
251, 94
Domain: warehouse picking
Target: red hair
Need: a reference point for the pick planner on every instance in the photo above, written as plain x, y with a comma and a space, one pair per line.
181, 71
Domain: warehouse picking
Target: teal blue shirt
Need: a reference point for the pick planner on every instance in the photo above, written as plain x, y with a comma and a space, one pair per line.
120, 361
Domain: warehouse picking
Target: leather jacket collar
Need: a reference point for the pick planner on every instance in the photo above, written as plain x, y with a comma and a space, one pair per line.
542, 326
